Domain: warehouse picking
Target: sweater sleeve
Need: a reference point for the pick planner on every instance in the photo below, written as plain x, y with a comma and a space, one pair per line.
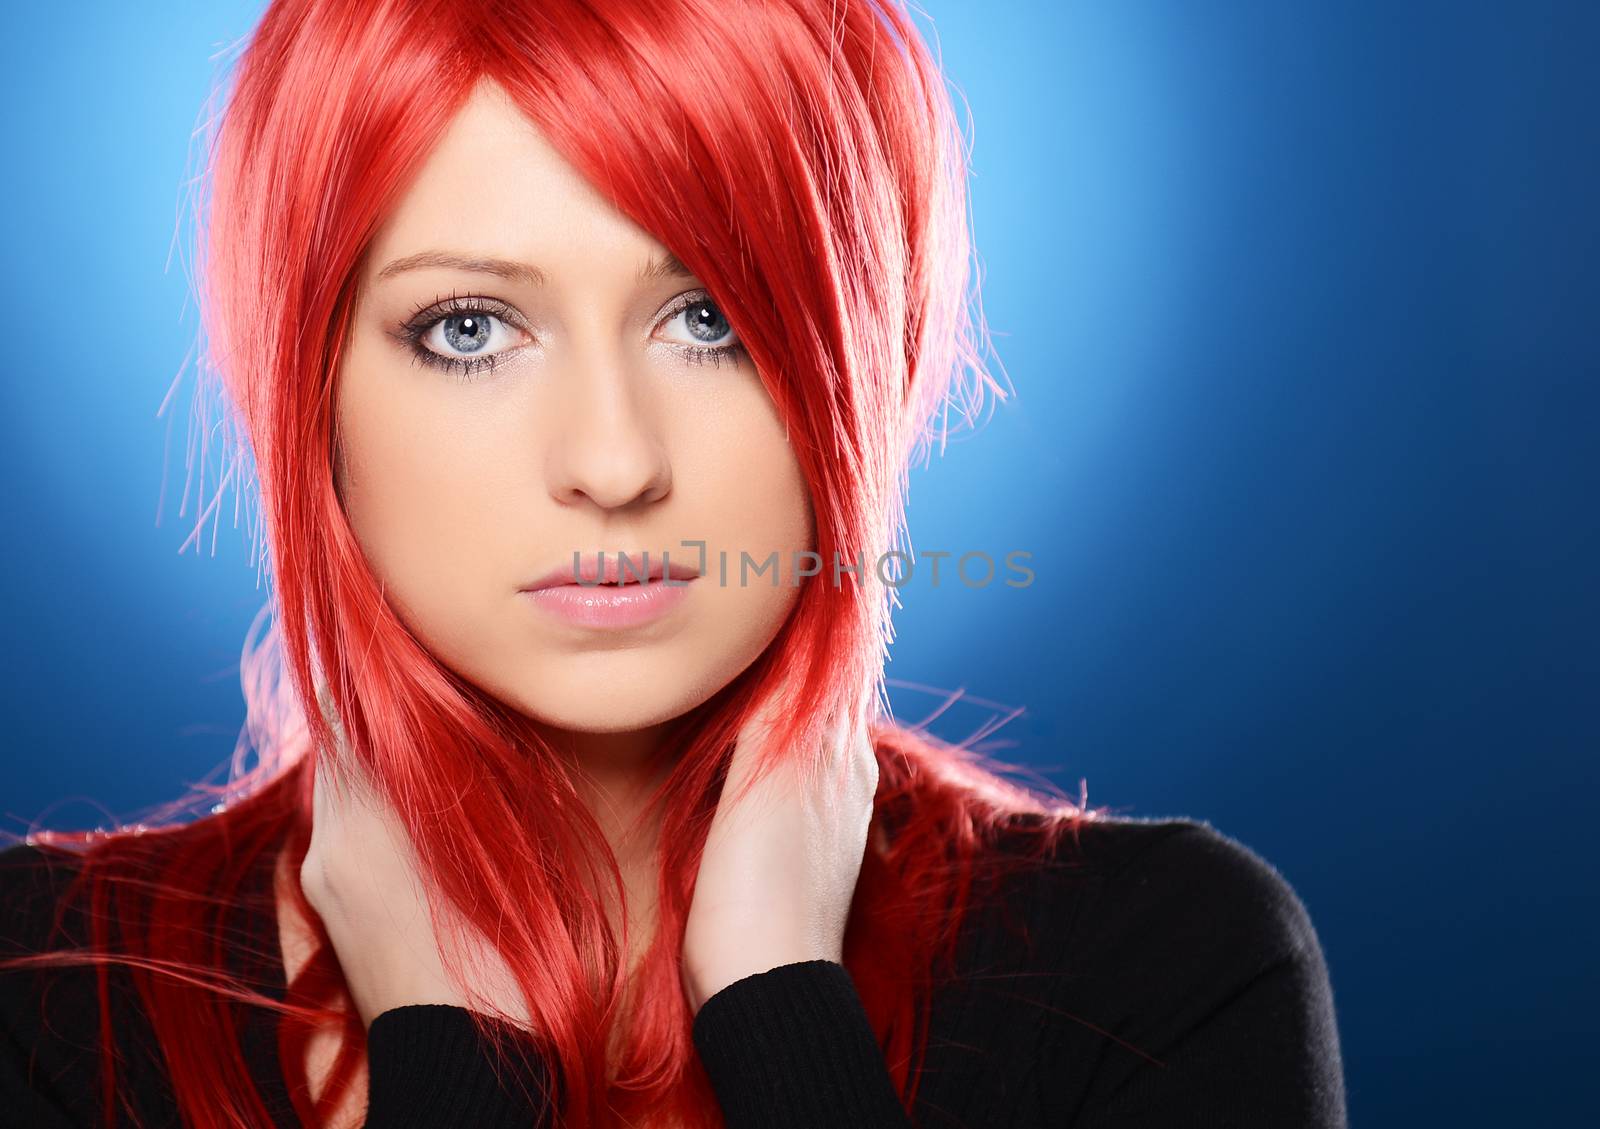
792, 1047
428, 1066
1201, 961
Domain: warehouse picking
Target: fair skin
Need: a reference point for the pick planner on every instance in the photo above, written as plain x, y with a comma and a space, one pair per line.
595, 429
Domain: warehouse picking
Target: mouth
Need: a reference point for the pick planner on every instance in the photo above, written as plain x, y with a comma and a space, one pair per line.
614, 571
612, 597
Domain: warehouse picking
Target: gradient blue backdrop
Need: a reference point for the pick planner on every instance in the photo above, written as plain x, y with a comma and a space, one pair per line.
1298, 302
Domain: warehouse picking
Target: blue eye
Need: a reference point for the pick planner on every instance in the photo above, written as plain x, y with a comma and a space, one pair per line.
704, 323
465, 334
469, 332
705, 332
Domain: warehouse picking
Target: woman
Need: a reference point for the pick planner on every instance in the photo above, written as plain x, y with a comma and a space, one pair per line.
582, 350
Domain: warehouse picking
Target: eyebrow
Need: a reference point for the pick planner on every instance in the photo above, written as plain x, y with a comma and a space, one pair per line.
660, 266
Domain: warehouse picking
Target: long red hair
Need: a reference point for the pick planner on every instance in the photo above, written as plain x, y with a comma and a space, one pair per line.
803, 159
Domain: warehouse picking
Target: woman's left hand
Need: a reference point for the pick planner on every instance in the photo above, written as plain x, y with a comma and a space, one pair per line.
780, 867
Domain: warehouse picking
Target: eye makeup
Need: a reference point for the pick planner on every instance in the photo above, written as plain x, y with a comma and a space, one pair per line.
472, 315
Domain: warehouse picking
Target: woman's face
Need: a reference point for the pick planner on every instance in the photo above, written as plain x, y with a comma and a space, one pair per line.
613, 417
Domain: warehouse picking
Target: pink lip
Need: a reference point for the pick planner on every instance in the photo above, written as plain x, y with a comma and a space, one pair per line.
591, 570
610, 605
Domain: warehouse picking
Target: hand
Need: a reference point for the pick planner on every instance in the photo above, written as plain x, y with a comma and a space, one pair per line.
780, 867
360, 875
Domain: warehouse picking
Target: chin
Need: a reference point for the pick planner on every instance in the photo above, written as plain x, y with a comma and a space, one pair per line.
609, 705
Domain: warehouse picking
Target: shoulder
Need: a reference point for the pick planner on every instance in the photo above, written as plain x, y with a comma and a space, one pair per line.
1117, 874
47, 1014
1167, 906
1188, 976
33, 883
58, 1019
1182, 883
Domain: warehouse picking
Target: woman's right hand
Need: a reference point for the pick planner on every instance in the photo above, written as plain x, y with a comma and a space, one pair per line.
360, 875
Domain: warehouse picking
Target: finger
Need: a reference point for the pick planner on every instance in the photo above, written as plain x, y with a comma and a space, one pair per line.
322, 800
757, 733
866, 760
342, 812
762, 722
329, 796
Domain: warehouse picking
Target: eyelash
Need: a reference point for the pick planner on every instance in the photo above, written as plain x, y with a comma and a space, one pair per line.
430, 314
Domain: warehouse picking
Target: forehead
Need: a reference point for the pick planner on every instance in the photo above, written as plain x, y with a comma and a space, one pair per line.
495, 186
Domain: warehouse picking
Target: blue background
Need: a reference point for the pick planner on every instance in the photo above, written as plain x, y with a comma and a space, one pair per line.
1298, 301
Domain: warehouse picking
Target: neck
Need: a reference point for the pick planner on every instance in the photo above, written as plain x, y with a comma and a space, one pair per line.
615, 774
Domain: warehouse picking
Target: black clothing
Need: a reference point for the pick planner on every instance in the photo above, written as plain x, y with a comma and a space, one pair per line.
1175, 981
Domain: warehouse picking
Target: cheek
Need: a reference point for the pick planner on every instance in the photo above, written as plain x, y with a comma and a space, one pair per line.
751, 498
748, 484
414, 487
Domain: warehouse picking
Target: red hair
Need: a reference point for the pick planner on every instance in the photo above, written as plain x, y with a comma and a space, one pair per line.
803, 159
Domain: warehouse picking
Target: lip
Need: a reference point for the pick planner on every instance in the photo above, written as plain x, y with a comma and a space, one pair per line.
607, 568
607, 596
610, 605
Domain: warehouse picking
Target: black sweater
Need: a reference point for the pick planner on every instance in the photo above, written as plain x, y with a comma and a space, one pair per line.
1173, 979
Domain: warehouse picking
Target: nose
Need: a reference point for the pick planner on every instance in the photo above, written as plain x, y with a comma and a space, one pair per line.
607, 447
